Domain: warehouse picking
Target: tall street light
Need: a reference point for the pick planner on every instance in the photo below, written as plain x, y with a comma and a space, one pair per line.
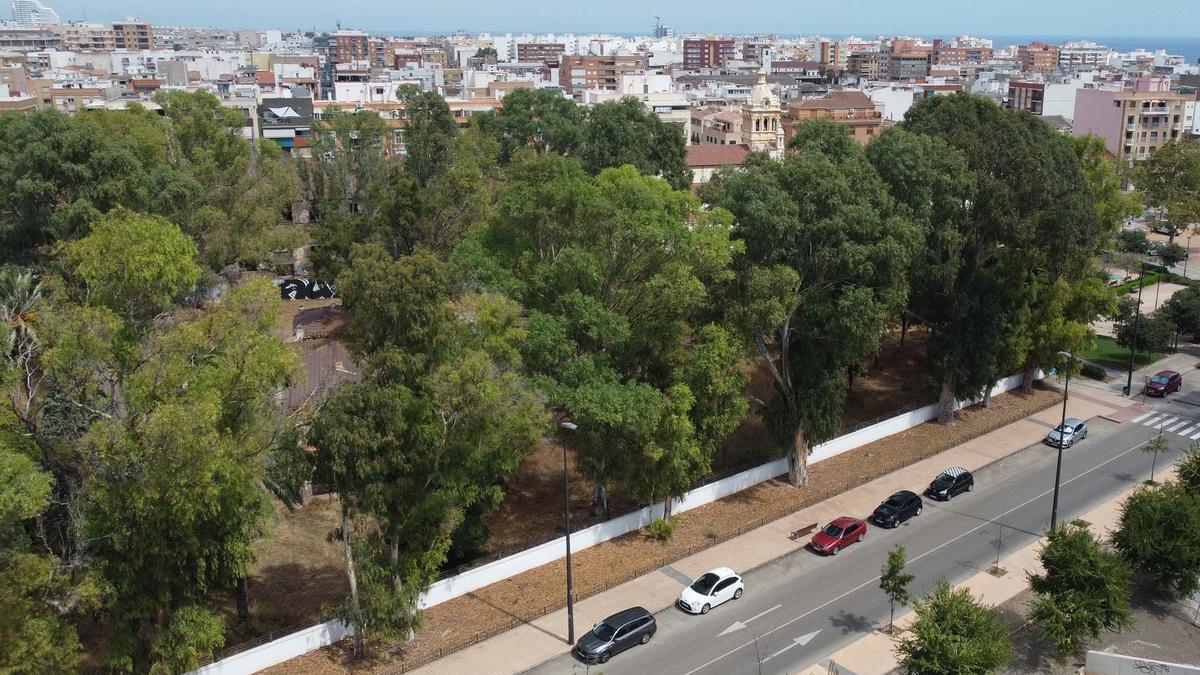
1062, 437
1136, 319
569, 426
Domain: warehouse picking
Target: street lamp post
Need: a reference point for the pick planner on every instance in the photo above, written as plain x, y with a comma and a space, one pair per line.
569, 426
1062, 430
1136, 320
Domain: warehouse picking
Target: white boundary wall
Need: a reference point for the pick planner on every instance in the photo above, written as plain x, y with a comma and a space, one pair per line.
278, 651
327, 633
485, 575
1103, 663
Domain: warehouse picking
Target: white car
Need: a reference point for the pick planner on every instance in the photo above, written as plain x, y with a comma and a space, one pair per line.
711, 589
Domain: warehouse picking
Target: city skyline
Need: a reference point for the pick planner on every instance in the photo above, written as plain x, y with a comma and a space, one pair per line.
1098, 19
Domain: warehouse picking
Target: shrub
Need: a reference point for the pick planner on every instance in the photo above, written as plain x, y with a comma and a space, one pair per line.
663, 528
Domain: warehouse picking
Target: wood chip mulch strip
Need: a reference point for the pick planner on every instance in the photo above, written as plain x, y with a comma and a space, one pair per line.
469, 619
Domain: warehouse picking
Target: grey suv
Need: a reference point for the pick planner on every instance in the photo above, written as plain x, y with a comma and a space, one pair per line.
615, 634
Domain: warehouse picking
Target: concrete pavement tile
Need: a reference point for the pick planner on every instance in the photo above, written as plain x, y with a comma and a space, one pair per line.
511, 652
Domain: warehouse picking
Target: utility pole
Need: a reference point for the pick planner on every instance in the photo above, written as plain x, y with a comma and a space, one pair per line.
569, 426
1062, 441
1136, 320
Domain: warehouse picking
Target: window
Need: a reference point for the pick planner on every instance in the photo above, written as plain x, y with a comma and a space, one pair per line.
723, 585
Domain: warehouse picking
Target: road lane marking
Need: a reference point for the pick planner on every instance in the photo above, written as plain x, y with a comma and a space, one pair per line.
802, 640
1187, 431
935, 549
1180, 425
1153, 420
1141, 417
1162, 423
738, 625
1195, 436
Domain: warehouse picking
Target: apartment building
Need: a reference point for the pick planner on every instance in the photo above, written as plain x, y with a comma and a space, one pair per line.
578, 73
32, 14
868, 65
851, 109
715, 126
132, 34
945, 53
1038, 57
1133, 121
1029, 96
707, 52
1082, 55
349, 45
20, 39
540, 52
81, 36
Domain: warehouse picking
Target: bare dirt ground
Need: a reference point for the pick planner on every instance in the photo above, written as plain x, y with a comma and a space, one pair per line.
463, 621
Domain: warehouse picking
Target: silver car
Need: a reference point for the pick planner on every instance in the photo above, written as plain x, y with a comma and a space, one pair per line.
1067, 433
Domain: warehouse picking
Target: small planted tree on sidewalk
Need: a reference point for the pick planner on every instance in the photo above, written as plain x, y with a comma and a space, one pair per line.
1156, 445
1159, 534
954, 634
894, 581
1084, 591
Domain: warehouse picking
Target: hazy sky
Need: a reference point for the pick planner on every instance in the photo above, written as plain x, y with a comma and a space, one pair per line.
1163, 18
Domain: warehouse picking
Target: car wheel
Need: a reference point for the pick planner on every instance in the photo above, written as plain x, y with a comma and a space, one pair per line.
705, 608
834, 551
645, 638
861, 536
970, 486
604, 657
737, 595
918, 511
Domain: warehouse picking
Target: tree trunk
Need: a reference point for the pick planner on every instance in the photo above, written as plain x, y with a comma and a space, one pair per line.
946, 402
398, 586
241, 598
357, 627
987, 396
892, 616
599, 501
1027, 378
798, 460
849, 379
903, 328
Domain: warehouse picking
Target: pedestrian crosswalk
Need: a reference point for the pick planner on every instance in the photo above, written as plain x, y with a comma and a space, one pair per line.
1171, 424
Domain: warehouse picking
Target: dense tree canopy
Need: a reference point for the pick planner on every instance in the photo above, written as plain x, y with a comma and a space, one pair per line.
825, 257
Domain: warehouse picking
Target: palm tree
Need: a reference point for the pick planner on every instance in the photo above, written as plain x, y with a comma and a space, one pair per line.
19, 295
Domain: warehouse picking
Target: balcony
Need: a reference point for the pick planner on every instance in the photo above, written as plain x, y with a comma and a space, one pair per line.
1163, 110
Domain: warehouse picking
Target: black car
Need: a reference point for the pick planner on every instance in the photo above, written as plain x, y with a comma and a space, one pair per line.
897, 509
950, 483
615, 634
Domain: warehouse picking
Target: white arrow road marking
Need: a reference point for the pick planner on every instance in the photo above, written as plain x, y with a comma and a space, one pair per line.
802, 640
738, 625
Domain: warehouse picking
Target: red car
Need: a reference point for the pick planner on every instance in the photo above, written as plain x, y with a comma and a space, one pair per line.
838, 534
1164, 383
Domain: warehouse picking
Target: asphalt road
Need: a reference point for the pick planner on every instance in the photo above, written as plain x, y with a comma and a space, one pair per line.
803, 607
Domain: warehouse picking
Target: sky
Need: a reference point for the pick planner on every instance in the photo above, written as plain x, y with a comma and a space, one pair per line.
1096, 18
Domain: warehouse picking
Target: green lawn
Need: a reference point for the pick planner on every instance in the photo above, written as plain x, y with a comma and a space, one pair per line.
1109, 353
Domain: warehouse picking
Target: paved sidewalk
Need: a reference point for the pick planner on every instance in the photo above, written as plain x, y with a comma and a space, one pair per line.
875, 655
542, 639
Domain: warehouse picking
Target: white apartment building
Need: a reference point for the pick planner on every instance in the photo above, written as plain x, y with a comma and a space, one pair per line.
1082, 54
33, 14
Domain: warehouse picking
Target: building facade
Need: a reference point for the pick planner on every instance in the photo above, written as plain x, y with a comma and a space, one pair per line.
540, 52
762, 124
1135, 121
1038, 57
707, 52
1029, 96
851, 109
132, 34
579, 73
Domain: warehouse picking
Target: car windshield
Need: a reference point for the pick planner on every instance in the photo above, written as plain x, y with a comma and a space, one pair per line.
705, 583
893, 503
943, 480
1060, 428
1160, 379
604, 631
832, 530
